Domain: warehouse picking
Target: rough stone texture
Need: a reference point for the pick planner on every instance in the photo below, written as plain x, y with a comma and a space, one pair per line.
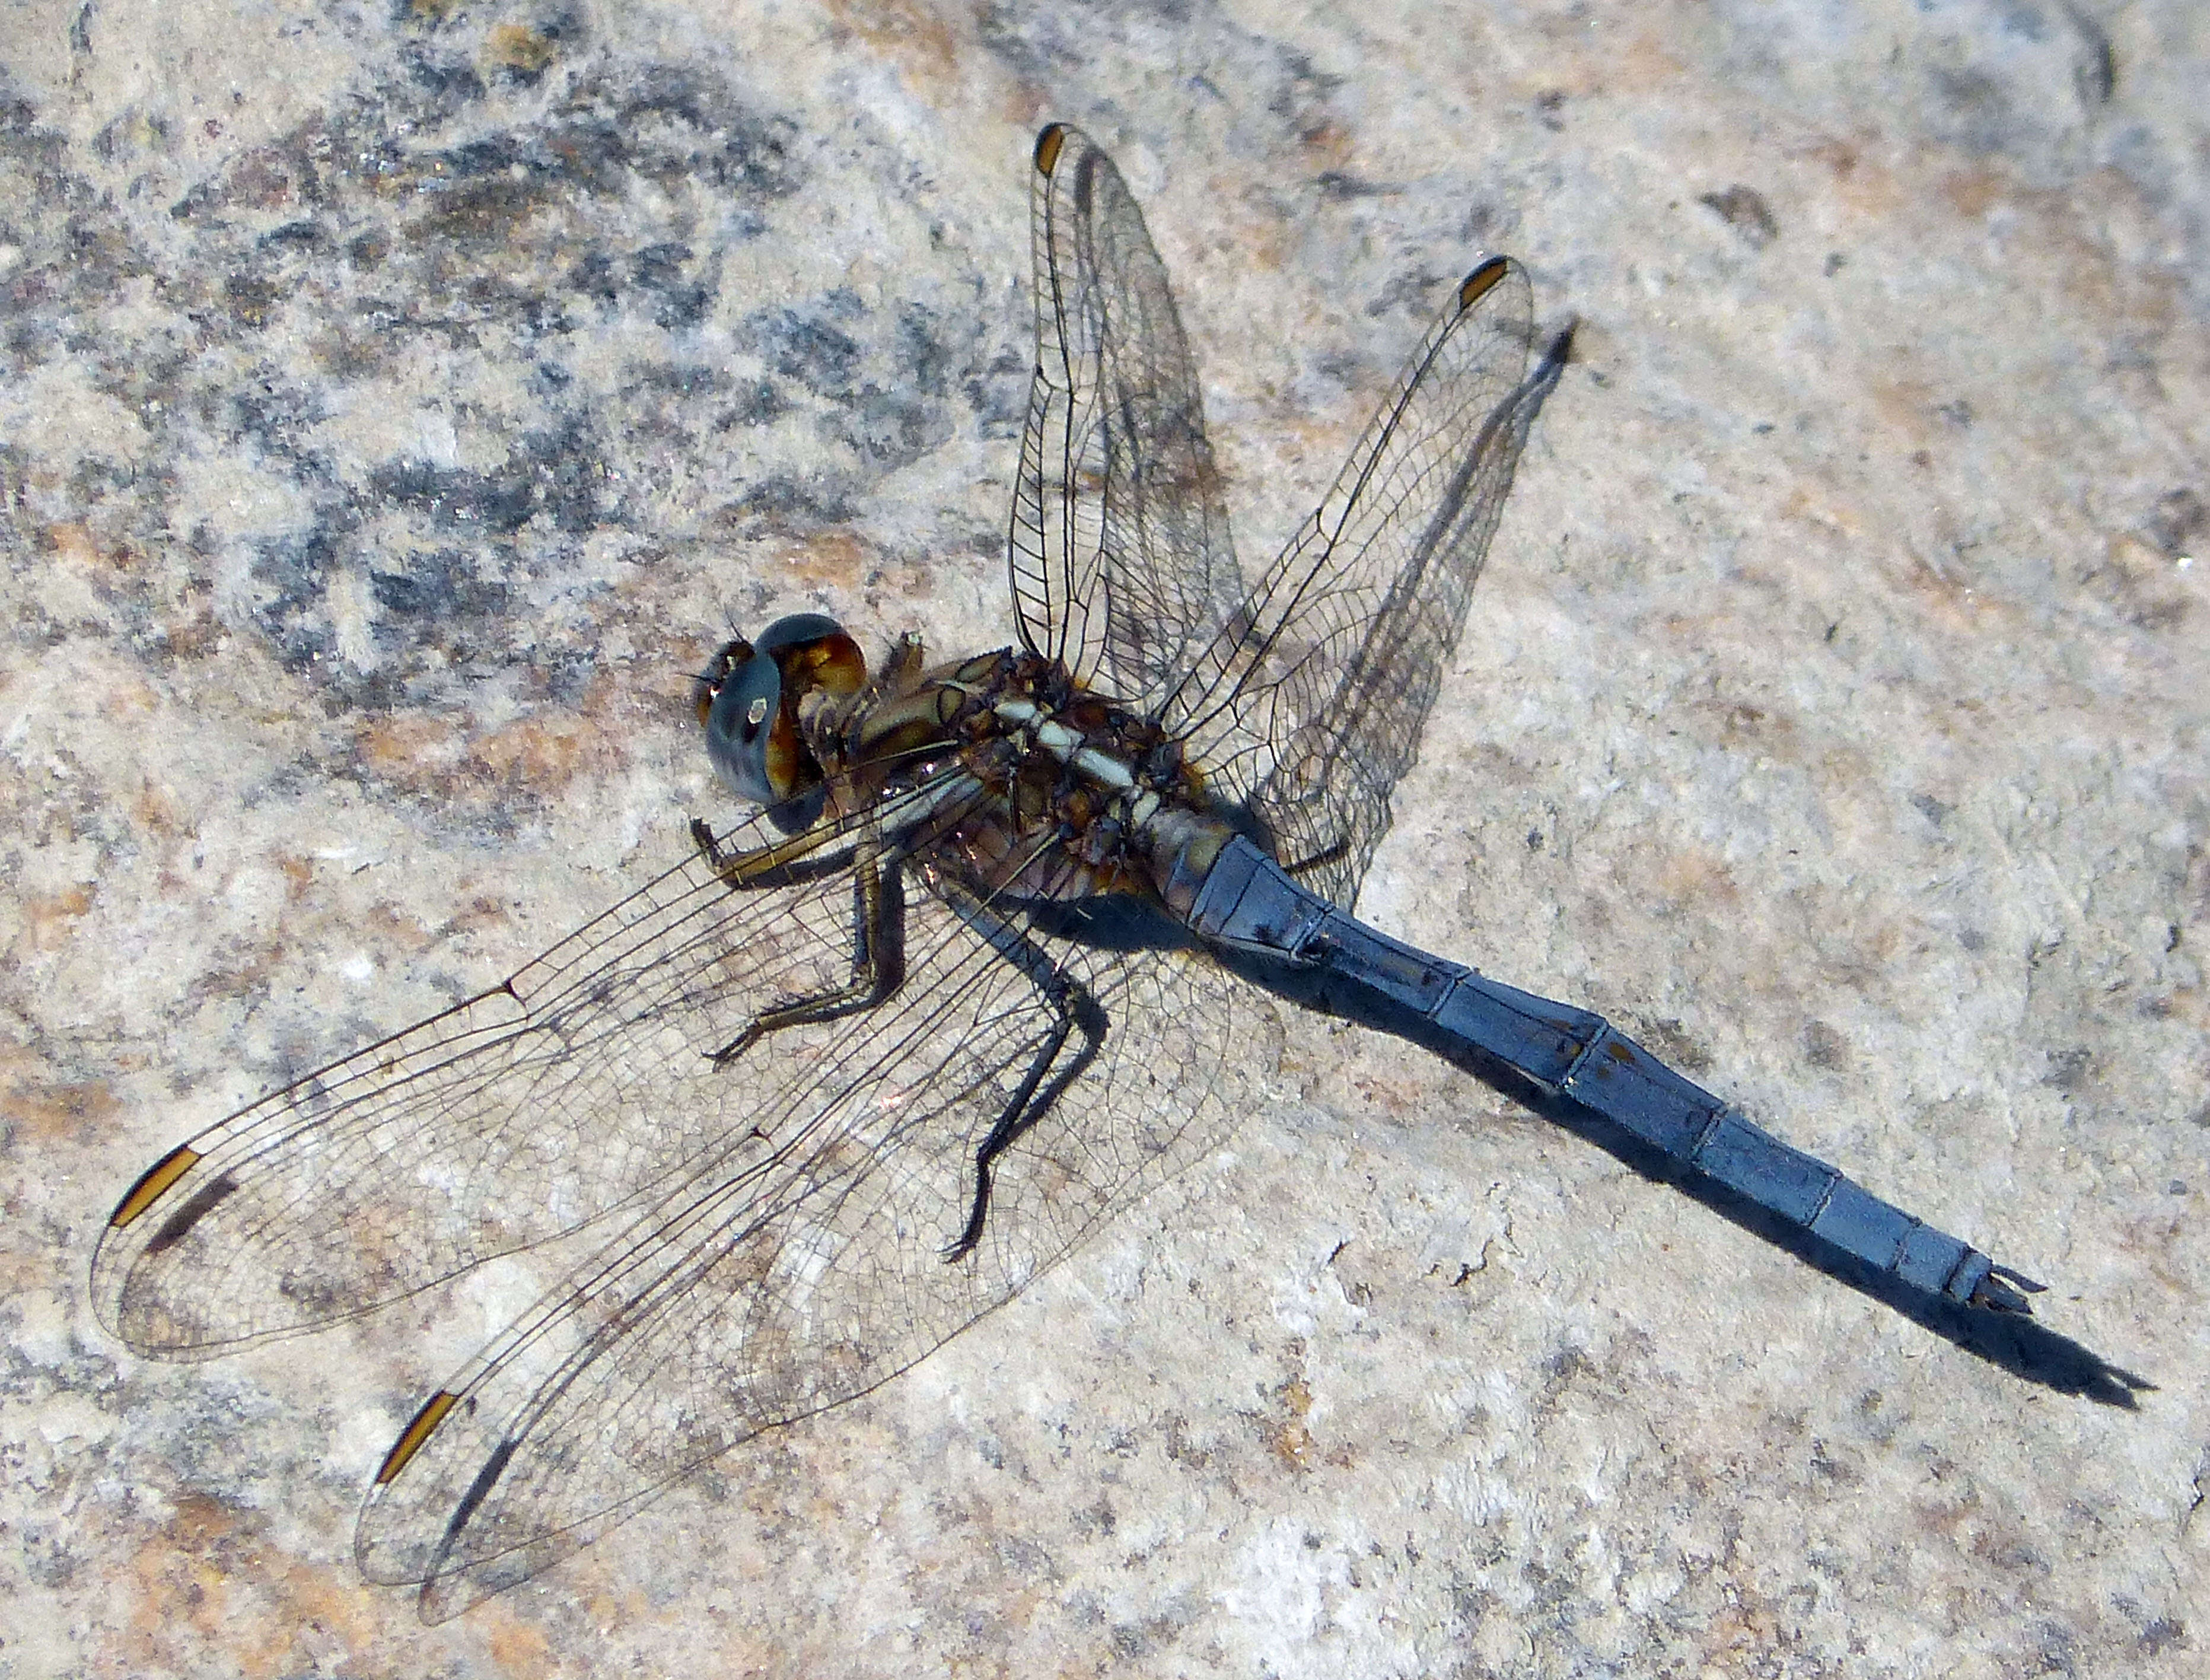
398, 401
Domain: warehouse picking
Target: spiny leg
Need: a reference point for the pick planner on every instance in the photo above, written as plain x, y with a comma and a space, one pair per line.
1075, 1009
803, 857
878, 932
1320, 860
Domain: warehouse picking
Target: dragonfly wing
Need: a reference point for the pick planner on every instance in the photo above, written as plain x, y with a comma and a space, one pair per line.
1121, 561
1308, 707
756, 1296
551, 1101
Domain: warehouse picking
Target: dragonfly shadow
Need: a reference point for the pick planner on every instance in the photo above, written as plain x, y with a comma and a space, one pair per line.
2020, 1344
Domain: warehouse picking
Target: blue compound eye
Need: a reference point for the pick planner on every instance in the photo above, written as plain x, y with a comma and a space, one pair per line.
749, 704
741, 725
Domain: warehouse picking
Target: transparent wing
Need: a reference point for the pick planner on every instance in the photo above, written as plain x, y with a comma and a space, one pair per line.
547, 1102
762, 1290
1308, 705
1121, 562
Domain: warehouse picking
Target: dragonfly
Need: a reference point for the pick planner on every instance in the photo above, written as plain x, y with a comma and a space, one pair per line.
984, 967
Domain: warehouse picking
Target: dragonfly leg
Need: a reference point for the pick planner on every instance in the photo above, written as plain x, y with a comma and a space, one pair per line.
1327, 858
877, 959
702, 836
800, 858
1076, 1011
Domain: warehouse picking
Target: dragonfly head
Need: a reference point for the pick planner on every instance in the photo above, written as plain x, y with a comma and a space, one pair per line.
748, 701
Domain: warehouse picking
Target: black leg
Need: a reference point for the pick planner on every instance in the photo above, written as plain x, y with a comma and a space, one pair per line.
1076, 1010
1320, 859
878, 957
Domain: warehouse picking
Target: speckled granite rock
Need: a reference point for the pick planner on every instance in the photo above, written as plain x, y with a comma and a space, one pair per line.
398, 402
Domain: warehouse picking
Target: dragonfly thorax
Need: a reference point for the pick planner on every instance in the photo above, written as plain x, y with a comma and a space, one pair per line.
1042, 787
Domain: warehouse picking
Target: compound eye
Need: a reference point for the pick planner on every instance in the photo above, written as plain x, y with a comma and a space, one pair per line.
813, 651
752, 744
749, 704
707, 687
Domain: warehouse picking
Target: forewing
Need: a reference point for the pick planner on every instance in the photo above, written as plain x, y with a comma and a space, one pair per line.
756, 1297
1308, 707
1121, 557
553, 1100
